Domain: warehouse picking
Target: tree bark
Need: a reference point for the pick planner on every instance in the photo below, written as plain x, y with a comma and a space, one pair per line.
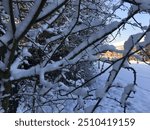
10, 103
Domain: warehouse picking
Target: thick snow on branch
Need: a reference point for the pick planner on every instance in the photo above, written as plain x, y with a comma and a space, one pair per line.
54, 66
77, 28
26, 53
127, 90
131, 42
94, 38
43, 81
104, 31
51, 8
67, 60
33, 71
10, 12
30, 18
5, 38
138, 1
144, 43
54, 46
143, 4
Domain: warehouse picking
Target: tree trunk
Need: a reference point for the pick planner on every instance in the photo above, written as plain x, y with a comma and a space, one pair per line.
10, 103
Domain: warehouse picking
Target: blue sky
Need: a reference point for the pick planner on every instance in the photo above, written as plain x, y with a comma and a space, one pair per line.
142, 18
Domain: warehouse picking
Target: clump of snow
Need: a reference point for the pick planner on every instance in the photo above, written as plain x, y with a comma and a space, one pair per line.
79, 82
80, 101
100, 92
143, 4
62, 86
81, 92
131, 42
127, 90
43, 81
26, 53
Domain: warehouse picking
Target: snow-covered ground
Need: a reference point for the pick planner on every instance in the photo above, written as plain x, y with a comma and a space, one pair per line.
139, 102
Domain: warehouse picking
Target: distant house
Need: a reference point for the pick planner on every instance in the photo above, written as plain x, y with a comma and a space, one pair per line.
112, 55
